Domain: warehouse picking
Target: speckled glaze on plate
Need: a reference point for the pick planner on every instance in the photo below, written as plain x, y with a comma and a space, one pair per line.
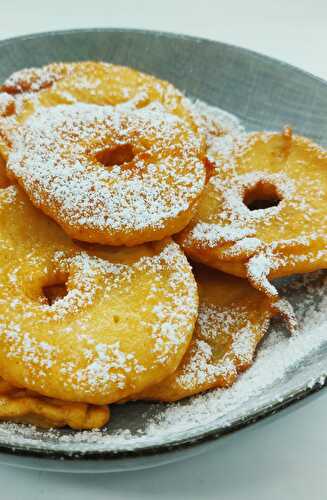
264, 94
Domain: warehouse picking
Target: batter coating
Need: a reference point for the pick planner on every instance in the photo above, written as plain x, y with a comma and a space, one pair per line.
263, 215
4, 181
233, 318
124, 324
109, 176
27, 407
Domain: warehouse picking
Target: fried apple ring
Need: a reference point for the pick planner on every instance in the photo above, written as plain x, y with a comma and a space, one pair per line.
27, 407
108, 176
263, 215
28, 90
34, 79
233, 318
92, 82
124, 324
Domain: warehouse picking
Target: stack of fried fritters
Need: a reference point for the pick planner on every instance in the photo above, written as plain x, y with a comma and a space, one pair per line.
110, 179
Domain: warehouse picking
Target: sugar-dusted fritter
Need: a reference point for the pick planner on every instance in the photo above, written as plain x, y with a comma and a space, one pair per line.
233, 318
123, 324
91, 82
263, 212
109, 176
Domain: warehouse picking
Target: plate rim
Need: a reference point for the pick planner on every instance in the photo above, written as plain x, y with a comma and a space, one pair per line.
206, 436
166, 34
211, 436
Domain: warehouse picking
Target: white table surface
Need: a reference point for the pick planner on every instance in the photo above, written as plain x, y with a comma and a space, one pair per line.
283, 457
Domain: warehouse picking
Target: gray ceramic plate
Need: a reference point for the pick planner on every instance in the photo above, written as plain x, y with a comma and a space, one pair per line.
265, 94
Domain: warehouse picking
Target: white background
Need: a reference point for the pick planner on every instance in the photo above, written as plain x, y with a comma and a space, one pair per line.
283, 457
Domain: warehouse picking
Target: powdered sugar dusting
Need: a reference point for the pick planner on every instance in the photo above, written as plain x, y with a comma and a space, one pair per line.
283, 367
104, 361
209, 235
222, 131
54, 155
205, 366
264, 241
7, 104
35, 79
202, 369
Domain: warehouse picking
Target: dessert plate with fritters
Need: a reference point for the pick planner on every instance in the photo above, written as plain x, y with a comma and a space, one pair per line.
265, 95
